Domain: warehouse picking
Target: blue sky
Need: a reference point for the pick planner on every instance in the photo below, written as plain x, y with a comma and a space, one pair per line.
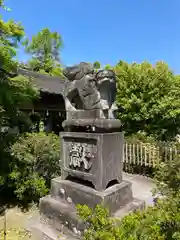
107, 31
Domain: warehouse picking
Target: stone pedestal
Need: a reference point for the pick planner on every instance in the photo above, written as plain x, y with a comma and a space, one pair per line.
91, 175
94, 159
60, 206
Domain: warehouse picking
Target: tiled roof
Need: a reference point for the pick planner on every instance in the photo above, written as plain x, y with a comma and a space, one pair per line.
45, 83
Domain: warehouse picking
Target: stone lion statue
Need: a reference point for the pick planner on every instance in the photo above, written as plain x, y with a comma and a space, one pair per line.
87, 89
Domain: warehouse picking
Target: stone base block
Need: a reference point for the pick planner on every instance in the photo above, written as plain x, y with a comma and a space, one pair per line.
61, 217
43, 229
73, 193
60, 207
60, 214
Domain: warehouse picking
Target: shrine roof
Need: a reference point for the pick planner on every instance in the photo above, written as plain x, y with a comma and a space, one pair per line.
45, 83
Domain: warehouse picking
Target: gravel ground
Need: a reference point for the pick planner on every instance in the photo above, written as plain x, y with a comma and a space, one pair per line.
141, 187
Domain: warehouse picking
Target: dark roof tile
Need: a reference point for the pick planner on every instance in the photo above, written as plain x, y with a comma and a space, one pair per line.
45, 83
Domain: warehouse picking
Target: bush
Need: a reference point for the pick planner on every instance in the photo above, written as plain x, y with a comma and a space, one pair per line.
99, 225
139, 225
36, 159
140, 137
168, 178
161, 222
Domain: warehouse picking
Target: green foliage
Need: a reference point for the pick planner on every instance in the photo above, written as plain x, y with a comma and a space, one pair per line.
99, 225
35, 162
160, 222
15, 234
13, 92
168, 178
150, 97
45, 50
96, 65
140, 137
56, 71
142, 225
11, 35
108, 67
44, 45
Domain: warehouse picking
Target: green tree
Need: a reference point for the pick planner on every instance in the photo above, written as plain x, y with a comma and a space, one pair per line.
45, 50
11, 34
13, 91
108, 67
97, 65
150, 98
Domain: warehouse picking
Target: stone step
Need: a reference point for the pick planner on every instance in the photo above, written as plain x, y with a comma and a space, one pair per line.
60, 214
42, 231
133, 206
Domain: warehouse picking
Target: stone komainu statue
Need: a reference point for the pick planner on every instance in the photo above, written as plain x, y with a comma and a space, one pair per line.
89, 90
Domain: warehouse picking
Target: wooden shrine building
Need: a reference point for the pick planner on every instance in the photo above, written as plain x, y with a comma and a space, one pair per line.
50, 105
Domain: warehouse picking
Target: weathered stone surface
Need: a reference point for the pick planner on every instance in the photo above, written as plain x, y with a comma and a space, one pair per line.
114, 197
106, 85
84, 114
96, 158
49, 229
80, 91
87, 90
92, 125
53, 228
61, 213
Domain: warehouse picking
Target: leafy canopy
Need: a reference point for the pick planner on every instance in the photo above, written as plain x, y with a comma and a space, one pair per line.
150, 98
11, 34
13, 92
45, 50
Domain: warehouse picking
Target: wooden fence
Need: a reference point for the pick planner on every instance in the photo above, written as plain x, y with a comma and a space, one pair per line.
142, 157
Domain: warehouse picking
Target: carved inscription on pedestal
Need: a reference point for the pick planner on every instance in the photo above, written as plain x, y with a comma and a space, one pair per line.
81, 155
